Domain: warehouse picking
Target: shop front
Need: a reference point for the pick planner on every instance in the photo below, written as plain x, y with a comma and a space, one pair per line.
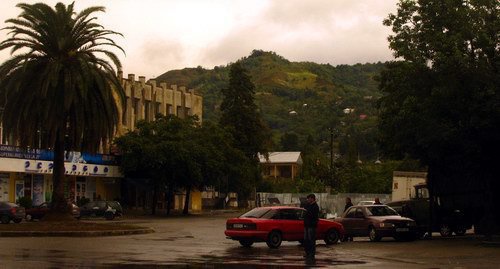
28, 173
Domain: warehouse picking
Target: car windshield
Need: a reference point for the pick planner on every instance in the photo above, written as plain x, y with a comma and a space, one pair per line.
380, 211
255, 213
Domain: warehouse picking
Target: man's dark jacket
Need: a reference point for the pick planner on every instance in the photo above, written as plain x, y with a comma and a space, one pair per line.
312, 215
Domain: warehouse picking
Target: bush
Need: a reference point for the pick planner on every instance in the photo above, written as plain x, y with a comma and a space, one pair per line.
25, 202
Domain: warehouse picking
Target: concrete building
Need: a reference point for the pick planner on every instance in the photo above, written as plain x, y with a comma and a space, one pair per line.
145, 99
29, 172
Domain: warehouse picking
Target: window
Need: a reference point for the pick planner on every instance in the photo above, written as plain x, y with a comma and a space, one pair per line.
285, 171
180, 112
136, 110
350, 212
380, 211
157, 109
359, 213
255, 213
147, 112
124, 112
289, 214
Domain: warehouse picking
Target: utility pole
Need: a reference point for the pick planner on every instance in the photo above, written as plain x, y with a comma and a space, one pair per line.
332, 171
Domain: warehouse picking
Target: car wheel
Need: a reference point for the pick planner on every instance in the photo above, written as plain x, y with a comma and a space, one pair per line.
29, 217
5, 219
246, 242
109, 215
332, 237
460, 231
373, 235
274, 239
445, 230
17, 220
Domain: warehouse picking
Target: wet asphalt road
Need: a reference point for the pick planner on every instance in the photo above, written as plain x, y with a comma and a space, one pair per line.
199, 242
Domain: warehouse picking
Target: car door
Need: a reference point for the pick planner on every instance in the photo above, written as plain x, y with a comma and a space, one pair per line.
292, 227
349, 221
360, 222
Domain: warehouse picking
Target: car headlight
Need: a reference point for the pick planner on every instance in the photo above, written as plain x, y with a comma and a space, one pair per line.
386, 225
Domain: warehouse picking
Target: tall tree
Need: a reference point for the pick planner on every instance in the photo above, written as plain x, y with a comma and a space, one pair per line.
60, 79
442, 100
240, 116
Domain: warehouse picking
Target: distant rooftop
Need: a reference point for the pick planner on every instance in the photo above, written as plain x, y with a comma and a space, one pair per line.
282, 157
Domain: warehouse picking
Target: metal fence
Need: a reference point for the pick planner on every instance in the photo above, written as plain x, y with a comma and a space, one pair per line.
332, 204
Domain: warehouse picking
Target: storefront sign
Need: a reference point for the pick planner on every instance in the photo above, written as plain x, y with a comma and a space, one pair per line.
7, 151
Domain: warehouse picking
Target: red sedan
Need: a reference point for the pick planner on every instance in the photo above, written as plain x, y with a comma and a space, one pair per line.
276, 224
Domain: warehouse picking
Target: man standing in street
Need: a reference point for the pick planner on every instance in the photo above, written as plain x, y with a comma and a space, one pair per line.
310, 224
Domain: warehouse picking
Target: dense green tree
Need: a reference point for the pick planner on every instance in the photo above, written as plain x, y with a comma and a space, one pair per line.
57, 82
289, 141
178, 154
442, 100
240, 116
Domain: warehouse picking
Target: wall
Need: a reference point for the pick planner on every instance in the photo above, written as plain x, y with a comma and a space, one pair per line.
144, 99
331, 203
403, 184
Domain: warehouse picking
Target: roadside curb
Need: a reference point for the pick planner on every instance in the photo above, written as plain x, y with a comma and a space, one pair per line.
74, 233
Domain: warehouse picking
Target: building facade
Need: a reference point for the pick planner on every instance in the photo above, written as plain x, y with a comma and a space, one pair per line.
281, 164
28, 172
145, 99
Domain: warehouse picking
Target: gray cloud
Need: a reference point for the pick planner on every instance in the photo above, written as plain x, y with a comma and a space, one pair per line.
324, 31
157, 56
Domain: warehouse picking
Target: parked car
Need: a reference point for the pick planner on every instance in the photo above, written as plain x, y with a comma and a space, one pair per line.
38, 212
107, 209
377, 221
11, 211
276, 224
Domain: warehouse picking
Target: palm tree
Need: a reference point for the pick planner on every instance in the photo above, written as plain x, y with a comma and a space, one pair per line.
60, 80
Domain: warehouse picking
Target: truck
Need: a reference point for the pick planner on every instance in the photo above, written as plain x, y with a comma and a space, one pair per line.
446, 221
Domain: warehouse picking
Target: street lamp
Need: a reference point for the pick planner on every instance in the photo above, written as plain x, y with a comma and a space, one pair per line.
332, 171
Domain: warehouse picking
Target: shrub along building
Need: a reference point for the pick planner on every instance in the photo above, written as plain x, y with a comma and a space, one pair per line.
28, 172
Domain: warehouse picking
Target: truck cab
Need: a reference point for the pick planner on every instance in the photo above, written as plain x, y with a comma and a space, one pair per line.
446, 221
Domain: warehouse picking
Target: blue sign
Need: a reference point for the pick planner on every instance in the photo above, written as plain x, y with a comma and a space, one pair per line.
7, 151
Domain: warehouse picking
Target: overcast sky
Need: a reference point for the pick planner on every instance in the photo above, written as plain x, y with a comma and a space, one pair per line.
161, 35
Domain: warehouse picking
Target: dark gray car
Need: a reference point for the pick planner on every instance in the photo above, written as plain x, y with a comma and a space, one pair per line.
11, 212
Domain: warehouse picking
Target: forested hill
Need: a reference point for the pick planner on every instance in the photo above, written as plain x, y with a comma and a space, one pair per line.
298, 98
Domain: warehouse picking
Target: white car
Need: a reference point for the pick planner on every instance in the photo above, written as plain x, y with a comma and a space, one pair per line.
366, 202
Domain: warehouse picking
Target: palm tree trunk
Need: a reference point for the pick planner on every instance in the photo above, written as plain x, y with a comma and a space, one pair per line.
59, 203
186, 202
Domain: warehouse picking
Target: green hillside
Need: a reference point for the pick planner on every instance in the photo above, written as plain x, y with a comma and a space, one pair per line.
300, 100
